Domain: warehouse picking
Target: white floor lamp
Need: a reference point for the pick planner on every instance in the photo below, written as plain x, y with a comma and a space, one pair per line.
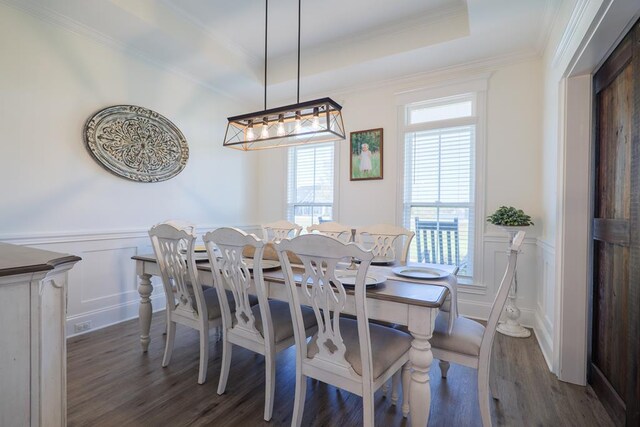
511, 327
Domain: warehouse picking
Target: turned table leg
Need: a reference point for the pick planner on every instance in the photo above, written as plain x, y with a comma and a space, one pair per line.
421, 323
145, 288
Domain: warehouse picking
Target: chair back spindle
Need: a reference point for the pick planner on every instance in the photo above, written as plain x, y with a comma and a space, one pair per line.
332, 229
280, 230
174, 250
232, 274
384, 240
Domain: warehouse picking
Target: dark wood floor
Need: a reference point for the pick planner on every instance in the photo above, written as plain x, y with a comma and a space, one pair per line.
112, 383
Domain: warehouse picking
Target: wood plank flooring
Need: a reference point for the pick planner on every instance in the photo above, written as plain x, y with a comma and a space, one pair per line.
112, 383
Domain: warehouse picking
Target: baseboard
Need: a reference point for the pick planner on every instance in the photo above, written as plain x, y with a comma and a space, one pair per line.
108, 316
545, 342
480, 310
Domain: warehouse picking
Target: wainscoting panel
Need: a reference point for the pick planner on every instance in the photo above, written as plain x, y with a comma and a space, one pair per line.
108, 275
545, 300
476, 301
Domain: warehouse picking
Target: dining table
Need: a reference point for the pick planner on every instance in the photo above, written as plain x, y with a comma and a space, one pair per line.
399, 300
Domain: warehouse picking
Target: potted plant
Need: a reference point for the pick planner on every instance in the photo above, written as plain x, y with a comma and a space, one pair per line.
510, 219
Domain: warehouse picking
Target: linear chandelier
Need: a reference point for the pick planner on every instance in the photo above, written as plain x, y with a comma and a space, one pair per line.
310, 122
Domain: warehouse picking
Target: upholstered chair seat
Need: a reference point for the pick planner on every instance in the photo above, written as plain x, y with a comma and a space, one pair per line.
387, 346
465, 338
213, 304
281, 318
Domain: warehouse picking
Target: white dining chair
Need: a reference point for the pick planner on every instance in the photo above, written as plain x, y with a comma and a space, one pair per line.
351, 354
173, 244
332, 229
280, 230
470, 343
384, 240
265, 328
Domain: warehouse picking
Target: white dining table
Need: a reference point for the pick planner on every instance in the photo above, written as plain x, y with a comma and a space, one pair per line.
414, 304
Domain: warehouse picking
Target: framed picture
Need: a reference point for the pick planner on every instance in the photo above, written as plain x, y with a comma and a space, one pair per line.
366, 154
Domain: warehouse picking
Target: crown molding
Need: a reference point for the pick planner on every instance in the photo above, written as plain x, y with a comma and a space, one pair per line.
550, 17
570, 30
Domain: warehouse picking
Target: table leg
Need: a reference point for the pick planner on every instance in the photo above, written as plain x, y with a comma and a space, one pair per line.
144, 289
421, 357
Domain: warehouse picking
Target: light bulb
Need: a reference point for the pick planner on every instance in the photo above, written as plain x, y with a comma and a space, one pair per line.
265, 129
315, 122
280, 130
298, 121
250, 135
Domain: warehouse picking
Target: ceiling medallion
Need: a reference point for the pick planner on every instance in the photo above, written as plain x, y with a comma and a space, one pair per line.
136, 143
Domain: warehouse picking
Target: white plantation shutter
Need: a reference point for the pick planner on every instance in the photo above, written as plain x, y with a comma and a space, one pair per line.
439, 185
310, 183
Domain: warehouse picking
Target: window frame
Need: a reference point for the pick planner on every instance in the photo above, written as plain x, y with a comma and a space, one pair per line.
336, 163
477, 87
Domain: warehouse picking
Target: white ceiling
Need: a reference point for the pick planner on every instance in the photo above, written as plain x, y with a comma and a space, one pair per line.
220, 43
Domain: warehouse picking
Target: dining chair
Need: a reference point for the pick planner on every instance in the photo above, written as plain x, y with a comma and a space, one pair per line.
173, 244
384, 239
280, 230
332, 229
351, 354
470, 343
265, 328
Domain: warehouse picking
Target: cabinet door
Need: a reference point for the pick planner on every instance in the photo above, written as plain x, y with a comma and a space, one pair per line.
15, 351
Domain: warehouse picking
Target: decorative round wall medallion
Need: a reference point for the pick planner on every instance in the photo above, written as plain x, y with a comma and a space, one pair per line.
136, 143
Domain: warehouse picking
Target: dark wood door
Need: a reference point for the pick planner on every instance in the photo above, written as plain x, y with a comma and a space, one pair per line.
615, 348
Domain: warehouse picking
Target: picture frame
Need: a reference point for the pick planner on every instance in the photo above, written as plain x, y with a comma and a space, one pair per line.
363, 166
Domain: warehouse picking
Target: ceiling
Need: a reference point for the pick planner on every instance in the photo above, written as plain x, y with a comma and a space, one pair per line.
220, 43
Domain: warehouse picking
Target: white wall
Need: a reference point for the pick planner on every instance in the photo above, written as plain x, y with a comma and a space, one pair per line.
513, 155
55, 196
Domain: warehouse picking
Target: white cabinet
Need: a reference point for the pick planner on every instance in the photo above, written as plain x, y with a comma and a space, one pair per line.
33, 356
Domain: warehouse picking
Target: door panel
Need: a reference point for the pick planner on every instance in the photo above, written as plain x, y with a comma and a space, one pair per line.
616, 279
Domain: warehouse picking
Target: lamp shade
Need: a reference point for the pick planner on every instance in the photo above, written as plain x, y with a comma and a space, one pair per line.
307, 122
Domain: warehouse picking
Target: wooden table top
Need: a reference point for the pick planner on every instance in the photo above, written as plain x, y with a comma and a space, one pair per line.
422, 293
16, 259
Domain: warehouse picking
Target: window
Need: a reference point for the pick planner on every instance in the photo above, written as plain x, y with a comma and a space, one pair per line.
439, 180
310, 185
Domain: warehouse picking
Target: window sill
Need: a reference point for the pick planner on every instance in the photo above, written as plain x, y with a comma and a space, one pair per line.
467, 286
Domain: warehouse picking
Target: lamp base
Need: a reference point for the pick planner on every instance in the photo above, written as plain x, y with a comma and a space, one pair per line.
513, 329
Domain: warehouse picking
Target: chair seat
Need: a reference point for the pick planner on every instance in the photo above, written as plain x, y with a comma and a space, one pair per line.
387, 345
465, 338
213, 303
281, 319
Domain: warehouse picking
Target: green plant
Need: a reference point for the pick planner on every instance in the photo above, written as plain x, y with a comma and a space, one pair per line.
510, 216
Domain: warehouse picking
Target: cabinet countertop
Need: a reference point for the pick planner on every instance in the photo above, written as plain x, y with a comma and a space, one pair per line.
16, 259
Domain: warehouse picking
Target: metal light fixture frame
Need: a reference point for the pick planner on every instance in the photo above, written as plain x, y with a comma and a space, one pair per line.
310, 122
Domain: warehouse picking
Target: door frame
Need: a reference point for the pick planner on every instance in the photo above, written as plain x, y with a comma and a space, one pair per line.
606, 23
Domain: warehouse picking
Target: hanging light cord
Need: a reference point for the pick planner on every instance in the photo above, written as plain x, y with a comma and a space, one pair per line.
266, 23
266, 34
299, 2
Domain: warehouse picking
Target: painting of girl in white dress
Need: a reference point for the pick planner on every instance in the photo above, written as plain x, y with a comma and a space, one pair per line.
366, 154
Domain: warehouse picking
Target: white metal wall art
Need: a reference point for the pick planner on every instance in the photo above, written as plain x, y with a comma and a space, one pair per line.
136, 143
